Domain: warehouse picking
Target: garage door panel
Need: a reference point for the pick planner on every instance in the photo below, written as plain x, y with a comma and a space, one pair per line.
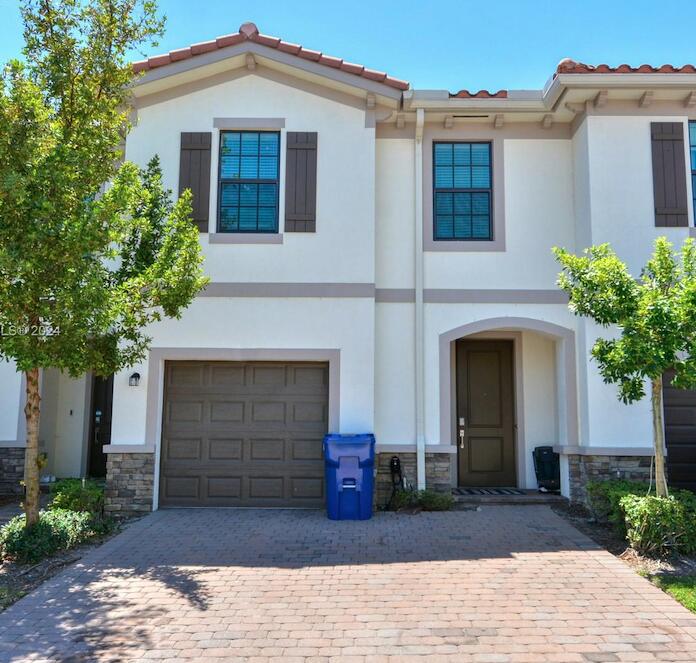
266, 487
185, 411
680, 434
307, 450
182, 487
221, 375
244, 434
263, 450
264, 376
311, 488
308, 377
226, 411
308, 413
181, 376
225, 449
184, 449
225, 486
268, 412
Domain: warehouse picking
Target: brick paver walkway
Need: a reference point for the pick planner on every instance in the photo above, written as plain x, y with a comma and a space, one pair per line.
504, 584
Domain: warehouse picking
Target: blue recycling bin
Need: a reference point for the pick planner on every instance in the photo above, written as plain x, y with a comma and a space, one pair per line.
349, 462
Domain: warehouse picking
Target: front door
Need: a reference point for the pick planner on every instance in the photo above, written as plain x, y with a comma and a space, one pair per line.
100, 424
485, 413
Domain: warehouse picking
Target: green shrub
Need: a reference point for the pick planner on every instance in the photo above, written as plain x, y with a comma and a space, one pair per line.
74, 495
425, 499
57, 529
604, 499
658, 526
403, 499
431, 501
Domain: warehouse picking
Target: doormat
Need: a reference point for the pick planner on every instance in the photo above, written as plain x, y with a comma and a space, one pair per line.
487, 491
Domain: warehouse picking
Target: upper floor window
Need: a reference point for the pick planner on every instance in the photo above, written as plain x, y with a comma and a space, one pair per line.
248, 181
462, 191
692, 144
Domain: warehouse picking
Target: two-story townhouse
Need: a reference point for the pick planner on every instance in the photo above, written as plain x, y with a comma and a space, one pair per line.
380, 260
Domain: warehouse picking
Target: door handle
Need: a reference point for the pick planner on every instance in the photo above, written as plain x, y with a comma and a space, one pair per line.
462, 431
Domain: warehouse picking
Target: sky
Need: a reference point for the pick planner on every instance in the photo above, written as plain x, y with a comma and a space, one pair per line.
439, 44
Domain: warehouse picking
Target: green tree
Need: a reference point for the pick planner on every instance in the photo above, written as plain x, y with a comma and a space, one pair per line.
655, 320
91, 252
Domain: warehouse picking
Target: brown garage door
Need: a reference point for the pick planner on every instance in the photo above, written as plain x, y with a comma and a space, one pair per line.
243, 434
680, 434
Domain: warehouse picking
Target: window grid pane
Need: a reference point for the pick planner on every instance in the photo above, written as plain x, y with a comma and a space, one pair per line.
248, 181
462, 190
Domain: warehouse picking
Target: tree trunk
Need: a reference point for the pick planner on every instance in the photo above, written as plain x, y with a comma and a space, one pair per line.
659, 439
31, 456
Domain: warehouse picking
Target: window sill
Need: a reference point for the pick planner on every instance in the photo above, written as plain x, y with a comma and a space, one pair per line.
245, 238
430, 245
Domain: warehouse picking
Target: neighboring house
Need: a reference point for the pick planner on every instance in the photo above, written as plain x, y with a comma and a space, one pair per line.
380, 260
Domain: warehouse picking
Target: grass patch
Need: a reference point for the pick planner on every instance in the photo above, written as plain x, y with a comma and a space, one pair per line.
682, 588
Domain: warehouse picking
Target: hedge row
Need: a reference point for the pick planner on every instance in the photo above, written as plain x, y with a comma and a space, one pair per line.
656, 526
74, 516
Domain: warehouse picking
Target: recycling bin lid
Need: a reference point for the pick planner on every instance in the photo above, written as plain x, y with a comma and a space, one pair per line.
361, 445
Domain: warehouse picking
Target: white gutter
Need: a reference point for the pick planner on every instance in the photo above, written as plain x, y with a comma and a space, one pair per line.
419, 321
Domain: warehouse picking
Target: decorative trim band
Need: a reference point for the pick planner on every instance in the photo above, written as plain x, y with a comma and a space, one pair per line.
129, 448
384, 295
602, 451
366, 290
489, 296
249, 122
245, 238
411, 448
395, 295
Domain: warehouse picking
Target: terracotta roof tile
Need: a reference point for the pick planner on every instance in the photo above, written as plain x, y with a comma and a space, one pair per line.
196, 49
249, 32
180, 54
568, 66
481, 94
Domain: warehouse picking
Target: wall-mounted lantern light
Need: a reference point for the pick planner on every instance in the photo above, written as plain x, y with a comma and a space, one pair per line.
134, 380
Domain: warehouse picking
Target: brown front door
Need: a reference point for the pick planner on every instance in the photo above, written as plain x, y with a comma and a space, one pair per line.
100, 424
244, 434
485, 413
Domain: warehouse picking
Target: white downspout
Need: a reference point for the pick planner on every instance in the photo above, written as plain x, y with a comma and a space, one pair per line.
419, 322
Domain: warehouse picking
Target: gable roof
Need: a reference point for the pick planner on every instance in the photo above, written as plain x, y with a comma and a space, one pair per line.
249, 32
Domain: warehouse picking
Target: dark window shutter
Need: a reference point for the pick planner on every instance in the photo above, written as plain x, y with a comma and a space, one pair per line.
669, 174
301, 182
194, 173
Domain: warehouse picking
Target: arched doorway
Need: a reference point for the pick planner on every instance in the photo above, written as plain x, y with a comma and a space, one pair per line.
504, 356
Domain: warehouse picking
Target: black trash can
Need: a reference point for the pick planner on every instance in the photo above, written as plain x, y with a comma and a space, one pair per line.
547, 467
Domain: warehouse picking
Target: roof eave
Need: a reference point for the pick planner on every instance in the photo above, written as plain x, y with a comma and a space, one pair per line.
173, 69
627, 80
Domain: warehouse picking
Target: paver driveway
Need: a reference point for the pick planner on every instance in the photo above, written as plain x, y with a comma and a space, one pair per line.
506, 583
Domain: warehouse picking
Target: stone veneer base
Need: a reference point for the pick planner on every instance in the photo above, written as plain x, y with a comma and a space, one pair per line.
600, 468
130, 479
438, 473
11, 470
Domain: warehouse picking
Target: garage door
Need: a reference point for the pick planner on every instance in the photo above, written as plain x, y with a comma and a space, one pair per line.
680, 434
243, 434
